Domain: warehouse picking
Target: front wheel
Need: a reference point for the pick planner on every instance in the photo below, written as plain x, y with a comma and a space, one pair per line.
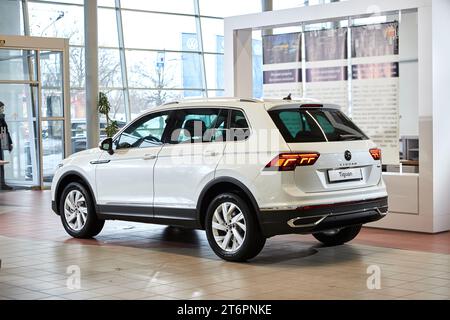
77, 212
232, 229
339, 236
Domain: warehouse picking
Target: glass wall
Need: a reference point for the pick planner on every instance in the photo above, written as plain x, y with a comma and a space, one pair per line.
150, 52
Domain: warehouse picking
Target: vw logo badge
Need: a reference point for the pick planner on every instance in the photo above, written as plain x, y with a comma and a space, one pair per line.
192, 44
348, 155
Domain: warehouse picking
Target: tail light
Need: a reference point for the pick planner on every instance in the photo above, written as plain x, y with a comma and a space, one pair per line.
289, 161
375, 153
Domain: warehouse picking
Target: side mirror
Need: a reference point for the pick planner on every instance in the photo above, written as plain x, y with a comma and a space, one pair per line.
107, 145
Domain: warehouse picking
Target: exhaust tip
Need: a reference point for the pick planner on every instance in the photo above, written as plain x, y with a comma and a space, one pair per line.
306, 222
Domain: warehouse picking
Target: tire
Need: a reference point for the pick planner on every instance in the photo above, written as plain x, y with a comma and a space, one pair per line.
339, 237
88, 227
249, 240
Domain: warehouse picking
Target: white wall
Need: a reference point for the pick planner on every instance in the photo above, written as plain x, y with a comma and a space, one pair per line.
441, 114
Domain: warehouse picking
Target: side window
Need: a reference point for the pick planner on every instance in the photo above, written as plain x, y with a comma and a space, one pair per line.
239, 128
144, 133
198, 125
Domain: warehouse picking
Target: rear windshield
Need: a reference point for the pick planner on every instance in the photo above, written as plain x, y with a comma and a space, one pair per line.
315, 125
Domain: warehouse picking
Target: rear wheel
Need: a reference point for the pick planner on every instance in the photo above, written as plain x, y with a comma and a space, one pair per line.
77, 212
232, 229
338, 236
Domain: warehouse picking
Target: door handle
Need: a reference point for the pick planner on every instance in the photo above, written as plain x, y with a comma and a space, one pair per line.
149, 157
211, 153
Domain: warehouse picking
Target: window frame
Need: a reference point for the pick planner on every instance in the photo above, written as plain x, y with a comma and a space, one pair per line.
172, 123
230, 112
228, 109
287, 136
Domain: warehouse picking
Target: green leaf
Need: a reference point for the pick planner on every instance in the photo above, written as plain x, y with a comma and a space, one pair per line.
112, 129
104, 108
103, 104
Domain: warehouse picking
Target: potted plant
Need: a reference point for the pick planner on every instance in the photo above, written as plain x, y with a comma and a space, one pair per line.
104, 108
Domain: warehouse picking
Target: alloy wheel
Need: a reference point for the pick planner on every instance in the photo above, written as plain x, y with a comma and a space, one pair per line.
229, 227
75, 210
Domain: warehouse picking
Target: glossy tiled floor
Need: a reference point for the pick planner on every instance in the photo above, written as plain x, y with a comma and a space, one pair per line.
138, 261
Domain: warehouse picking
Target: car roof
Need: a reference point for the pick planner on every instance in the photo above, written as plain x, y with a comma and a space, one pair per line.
247, 104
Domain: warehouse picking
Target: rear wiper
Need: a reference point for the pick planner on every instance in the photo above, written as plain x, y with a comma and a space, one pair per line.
347, 137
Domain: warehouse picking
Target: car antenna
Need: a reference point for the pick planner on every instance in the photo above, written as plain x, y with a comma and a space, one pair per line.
288, 98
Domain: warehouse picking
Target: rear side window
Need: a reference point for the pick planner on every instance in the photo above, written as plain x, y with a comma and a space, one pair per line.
239, 129
198, 125
315, 125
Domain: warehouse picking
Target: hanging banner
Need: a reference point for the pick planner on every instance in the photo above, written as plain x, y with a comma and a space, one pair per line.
326, 66
282, 69
375, 85
190, 64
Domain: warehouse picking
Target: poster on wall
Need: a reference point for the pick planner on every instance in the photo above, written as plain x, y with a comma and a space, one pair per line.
326, 66
375, 85
282, 69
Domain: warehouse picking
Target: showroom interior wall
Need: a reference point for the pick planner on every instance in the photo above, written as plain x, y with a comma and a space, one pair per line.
430, 185
440, 113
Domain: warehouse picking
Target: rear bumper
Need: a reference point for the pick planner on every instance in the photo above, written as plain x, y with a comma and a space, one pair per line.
311, 219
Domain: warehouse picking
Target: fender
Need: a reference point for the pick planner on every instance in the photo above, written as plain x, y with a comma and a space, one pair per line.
85, 181
234, 181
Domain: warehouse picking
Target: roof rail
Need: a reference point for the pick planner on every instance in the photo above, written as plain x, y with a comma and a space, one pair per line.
213, 99
253, 100
171, 102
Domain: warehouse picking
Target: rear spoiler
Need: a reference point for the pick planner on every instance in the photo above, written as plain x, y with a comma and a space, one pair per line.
311, 105
304, 106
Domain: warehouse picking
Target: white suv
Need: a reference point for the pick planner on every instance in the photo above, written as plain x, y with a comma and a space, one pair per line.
243, 170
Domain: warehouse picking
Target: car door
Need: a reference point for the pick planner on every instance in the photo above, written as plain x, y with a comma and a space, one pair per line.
124, 179
188, 161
